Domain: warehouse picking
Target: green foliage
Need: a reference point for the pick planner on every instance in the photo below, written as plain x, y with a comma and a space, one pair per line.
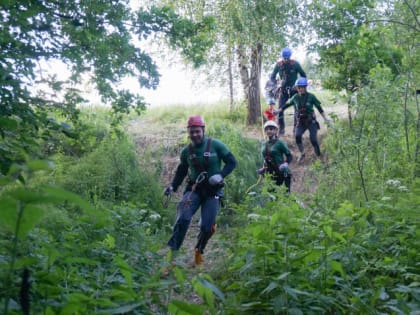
110, 172
246, 151
194, 39
374, 150
349, 41
316, 260
92, 39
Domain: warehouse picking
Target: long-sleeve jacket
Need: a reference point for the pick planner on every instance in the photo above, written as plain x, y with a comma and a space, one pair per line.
288, 72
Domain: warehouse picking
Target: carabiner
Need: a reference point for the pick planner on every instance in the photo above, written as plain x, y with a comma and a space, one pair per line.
201, 177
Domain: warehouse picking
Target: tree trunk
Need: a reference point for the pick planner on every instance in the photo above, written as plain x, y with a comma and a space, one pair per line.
349, 111
243, 70
417, 139
251, 82
406, 131
230, 78
254, 90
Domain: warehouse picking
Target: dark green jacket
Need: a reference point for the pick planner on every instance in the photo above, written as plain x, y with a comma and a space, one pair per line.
305, 102
276, 151
218, 153
287, 72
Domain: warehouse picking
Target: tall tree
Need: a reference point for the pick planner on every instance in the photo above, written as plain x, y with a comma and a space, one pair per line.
93, 38
249, 32
257, 30
347, 42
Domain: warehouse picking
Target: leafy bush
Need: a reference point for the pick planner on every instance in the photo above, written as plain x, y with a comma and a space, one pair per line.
110, 172
288, 259
245, 150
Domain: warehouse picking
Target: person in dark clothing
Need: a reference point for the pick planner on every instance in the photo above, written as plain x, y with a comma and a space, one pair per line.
271, 90
277, 156
304, 103
288, 70
201, 160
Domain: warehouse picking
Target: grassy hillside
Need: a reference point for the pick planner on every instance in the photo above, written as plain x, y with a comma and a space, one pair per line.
324, 250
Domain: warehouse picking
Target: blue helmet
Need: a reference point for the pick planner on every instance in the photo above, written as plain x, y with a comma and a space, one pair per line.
286, 52
271, 101
301, 82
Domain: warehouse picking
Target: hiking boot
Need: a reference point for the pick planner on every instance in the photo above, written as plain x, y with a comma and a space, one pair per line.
301, 158
198, 257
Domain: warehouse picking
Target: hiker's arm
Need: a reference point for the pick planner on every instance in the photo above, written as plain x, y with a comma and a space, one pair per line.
230, 164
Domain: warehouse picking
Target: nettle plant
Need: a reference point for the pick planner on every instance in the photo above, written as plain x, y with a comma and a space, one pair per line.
289, 259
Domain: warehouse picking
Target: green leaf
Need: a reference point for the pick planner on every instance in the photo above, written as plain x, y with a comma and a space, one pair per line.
38, 165
294, 311
177, 307
125, 269
8, 215
270, 287
295, 292
203, 291
338, 267
328, 230
179, 276
31, 216
8, 123
80, 260
27, 196
213, 288
56, 195
121, 309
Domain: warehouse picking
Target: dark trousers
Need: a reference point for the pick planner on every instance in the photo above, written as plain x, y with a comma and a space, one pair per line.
187, 207
284, 96
286, 180
313, 129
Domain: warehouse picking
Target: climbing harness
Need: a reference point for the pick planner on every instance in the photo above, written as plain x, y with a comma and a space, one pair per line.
271, 163
302, 117
200, 178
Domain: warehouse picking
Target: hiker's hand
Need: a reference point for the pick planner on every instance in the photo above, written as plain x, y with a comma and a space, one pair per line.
327, 120
169, 190
216, 179
284, 166
261, 171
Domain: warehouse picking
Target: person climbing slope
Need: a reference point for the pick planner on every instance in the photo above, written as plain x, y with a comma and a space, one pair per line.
277, 156
288, 70
305, 119
202, 161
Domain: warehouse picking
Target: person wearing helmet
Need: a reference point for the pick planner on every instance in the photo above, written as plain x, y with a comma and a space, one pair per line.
201, 160
270, 113
288, 70
304, 103
271, 90
277, 156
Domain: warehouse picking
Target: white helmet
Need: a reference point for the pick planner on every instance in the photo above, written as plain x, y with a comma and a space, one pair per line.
270, 123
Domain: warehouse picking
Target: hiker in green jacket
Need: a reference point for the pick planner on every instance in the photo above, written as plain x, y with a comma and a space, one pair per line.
276, 156
201, 160
288, 70
304, 103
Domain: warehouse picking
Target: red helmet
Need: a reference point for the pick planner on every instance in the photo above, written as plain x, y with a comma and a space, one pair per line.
195, 121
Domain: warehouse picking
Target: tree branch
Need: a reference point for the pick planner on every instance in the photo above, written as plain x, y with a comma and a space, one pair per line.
412, 11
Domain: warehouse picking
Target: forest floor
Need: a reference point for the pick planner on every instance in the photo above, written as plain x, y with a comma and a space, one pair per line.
164, 144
